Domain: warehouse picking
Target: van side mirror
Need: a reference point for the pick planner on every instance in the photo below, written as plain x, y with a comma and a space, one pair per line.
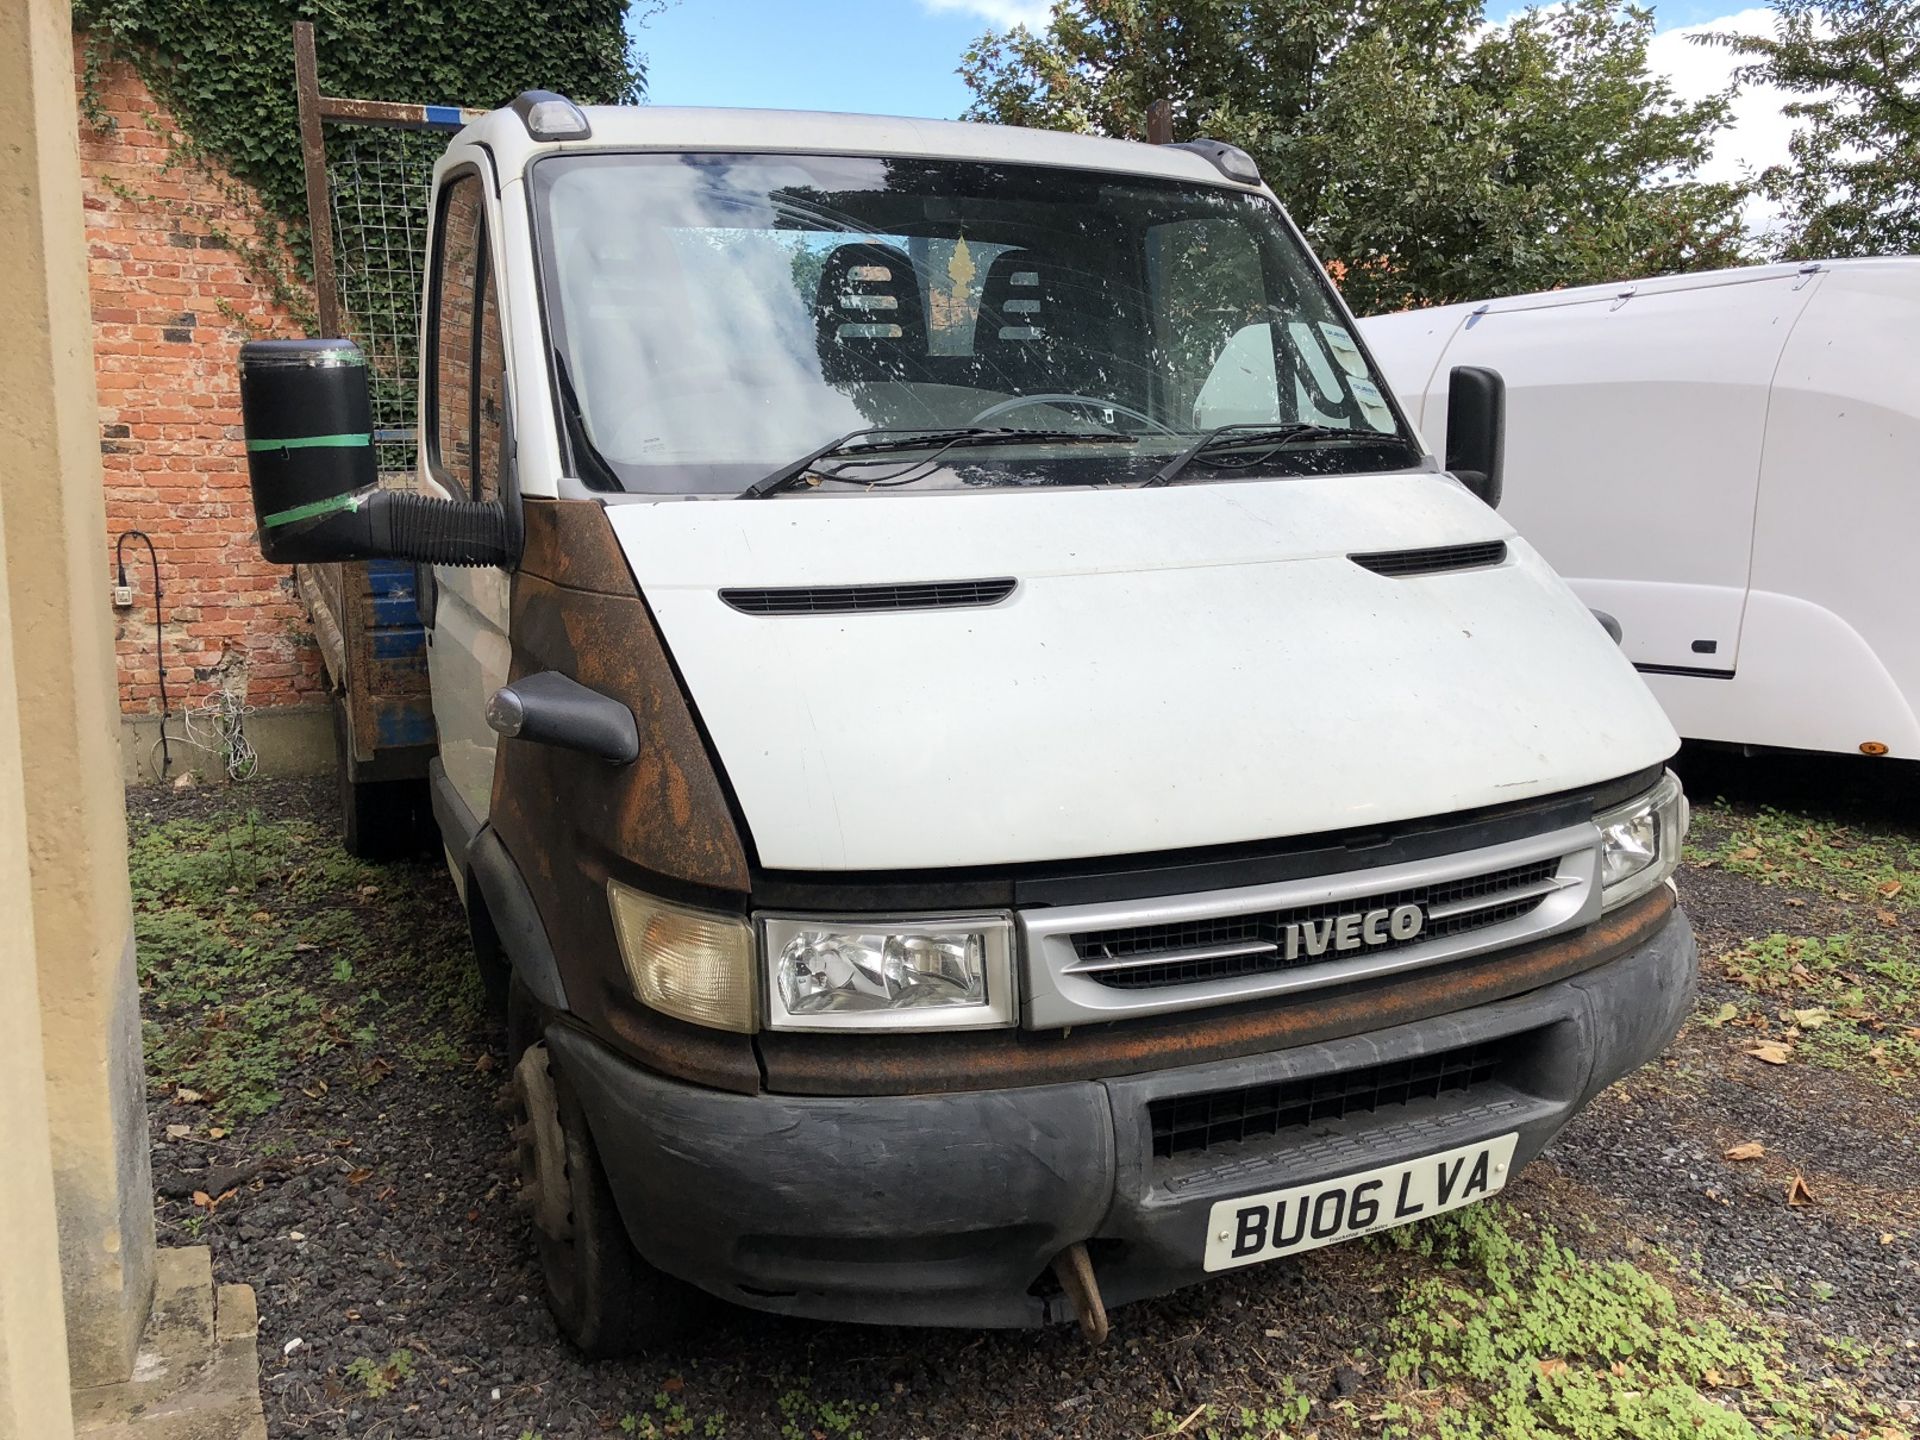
308, 417
1477, 430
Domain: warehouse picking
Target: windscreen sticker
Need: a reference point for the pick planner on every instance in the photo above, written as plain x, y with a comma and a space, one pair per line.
1340, 341
1368, 393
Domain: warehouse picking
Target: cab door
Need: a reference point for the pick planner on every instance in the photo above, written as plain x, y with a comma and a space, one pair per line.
1635, 424
463, 451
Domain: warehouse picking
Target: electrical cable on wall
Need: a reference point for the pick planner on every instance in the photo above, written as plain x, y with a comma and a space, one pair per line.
159, 633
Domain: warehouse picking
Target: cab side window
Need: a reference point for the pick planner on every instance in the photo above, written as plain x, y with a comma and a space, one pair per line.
466, 396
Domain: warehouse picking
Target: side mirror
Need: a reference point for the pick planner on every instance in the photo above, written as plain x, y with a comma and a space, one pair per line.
1477, 430
316, 487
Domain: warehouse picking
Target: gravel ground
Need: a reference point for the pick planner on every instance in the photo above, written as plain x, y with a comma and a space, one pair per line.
372, 1209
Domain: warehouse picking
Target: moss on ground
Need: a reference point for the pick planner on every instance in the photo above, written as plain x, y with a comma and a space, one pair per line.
263, 948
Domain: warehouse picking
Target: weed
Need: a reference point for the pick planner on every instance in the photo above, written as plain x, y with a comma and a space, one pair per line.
1519, 1338
379, 1377
1846, 1002
1778, 848
802, 1415
258, 956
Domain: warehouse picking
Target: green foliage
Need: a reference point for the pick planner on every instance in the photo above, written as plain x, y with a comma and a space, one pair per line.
379, 1377
1517, 1337
245, 928
1846, 1002
1852, 184
225, 67
1842, 862
1433, 162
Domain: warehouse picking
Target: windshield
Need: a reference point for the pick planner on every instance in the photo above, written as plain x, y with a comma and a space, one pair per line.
716, 316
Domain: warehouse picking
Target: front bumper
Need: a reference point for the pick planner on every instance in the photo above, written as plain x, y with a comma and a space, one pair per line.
947, 1209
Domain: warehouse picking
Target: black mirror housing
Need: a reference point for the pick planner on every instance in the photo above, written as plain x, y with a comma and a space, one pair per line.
308, 415
1477, 431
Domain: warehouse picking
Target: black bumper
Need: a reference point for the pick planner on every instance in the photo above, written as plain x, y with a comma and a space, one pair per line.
946, 1209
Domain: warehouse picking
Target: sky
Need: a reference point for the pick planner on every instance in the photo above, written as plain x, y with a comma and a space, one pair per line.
898, 57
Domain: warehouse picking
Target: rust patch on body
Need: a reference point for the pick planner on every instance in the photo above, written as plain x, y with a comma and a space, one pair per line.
570, 543
572, 821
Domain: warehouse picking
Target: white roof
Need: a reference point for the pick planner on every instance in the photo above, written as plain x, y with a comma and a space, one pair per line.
660, 127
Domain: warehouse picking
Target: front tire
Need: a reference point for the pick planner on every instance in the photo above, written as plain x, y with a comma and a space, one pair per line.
606, 1299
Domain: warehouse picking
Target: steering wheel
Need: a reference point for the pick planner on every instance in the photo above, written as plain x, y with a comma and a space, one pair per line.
1092, 402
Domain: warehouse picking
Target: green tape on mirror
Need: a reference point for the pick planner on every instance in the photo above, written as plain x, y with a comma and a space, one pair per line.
309, 511
314, 442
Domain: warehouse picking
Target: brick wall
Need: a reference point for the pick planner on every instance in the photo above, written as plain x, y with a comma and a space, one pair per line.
172, 303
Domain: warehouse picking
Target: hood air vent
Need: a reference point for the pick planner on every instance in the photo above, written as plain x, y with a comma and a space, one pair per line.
852, 599
1434, 559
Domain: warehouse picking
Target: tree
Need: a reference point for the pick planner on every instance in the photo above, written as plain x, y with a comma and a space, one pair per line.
1852, 186
1430, 159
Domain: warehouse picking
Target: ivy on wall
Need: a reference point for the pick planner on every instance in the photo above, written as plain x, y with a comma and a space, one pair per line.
225, 67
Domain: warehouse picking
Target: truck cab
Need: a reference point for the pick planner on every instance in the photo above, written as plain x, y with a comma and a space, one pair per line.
997, 773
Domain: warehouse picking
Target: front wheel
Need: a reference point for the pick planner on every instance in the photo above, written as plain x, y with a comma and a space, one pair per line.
606, 1299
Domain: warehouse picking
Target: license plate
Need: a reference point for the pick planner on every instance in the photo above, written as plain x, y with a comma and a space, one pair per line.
1287, 1222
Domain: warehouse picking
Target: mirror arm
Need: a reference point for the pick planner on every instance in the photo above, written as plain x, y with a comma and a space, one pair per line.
438, 532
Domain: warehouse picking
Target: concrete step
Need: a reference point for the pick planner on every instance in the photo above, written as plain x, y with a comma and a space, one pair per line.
197, 1376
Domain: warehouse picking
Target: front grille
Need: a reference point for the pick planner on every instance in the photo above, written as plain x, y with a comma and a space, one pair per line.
1434, 559
1188, 1124
853, 599
1230, 947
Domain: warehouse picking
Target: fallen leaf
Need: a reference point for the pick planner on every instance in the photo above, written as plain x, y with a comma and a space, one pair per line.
1891, 888
1771, 1054
1552, 1367
179, 1132
1886, 917
315, 1090
1798, 1193
1751, 1150
203, 1200
184, 1096
1712, 1377
484, 1063
1811, 1019
1844, 895
261, 917
216, 1133
360, 1176
1725, 1013
1886, 1237
1750, 853
1795, 904
673, 1385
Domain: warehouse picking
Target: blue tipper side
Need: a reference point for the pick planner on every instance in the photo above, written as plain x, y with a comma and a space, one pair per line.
396, 688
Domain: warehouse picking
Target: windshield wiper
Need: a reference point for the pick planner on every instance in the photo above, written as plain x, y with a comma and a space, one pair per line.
881, 440
1262, 436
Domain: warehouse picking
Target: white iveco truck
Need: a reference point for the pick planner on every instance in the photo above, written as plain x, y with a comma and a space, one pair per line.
997, 772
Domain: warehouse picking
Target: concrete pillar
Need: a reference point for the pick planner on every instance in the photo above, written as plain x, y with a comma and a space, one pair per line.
63, 710
33, 1342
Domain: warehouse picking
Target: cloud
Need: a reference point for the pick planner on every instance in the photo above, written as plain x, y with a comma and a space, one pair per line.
1759, 133
1000, 14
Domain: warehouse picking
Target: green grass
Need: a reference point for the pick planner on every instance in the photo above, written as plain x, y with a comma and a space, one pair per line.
1776, 847
1849, 1001
1512, 1335
265, 948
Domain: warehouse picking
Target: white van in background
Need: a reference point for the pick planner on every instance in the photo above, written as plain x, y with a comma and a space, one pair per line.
1728, 464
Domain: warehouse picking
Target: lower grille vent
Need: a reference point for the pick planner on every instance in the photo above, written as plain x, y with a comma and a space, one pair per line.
1229, 947
855, 599
1189, 1124
1434, 559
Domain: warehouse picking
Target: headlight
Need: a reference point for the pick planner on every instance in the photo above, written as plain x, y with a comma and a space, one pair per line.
1640, 842
689, 963
863, 974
